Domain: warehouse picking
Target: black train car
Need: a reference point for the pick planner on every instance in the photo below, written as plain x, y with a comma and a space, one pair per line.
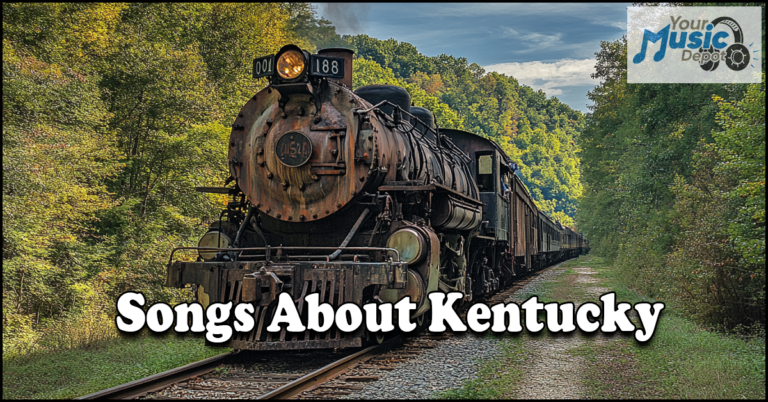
570, 245
550, 240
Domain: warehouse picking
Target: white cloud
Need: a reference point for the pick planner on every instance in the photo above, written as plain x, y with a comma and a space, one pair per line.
549, 77
593, 13
534, 41
619, 24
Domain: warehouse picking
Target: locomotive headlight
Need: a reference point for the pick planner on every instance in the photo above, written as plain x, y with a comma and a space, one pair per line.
290, 64
214, 239
409, 243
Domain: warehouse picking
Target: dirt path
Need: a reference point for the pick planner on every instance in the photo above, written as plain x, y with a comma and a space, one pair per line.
552, 369
553, 372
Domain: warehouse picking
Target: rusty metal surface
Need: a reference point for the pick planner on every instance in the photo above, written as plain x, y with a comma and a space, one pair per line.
336, 283
431, 187
334, 286
330, 178
284, 248
351, 152
216, 190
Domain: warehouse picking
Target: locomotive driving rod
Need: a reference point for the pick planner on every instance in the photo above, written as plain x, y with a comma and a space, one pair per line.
350, 235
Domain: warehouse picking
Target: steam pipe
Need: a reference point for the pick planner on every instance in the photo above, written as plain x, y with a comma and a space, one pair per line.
258, 230
350, 235
242, 227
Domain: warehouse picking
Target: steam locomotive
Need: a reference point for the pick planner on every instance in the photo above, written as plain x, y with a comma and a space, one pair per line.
360, 197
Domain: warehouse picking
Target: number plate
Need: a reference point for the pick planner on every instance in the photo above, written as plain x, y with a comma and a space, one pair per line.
293, 149
324, 66
264, 66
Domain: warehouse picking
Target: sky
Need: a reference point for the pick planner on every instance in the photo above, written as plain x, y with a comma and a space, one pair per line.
545, 46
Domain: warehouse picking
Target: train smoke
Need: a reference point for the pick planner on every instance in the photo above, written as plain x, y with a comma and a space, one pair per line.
347, 17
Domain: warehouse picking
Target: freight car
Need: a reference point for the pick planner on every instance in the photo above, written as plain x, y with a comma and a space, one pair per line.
360, 197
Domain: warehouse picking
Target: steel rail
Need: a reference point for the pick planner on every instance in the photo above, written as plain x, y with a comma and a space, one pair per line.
160, 380
328, 372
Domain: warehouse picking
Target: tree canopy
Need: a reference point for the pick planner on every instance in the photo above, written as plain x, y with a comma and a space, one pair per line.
112, 114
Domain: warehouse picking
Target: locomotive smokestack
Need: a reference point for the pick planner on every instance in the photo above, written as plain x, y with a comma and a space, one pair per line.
345, 54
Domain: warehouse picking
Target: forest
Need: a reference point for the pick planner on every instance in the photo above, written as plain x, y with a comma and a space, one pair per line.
114, 112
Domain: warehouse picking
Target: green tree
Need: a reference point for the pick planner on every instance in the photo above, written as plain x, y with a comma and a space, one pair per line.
368, 72
719, 258
57, 152
113, 113
308, 31
657, 189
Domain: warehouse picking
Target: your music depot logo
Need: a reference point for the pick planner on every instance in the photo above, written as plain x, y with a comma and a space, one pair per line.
694, 44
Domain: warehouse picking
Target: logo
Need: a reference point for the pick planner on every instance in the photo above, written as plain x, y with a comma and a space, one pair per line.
690, 44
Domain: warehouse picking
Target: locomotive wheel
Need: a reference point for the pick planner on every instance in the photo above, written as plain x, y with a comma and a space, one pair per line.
376, 338
474, 272
422, 322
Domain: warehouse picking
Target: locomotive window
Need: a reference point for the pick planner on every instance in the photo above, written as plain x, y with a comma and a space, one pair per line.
485, 164
485, 173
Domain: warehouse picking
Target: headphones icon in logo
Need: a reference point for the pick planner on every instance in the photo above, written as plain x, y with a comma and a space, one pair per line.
736, 55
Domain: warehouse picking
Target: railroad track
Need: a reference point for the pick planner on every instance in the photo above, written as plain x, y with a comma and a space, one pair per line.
284, 375
161, 380
318, 377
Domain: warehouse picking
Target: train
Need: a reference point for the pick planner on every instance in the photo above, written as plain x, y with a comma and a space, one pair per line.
359, 196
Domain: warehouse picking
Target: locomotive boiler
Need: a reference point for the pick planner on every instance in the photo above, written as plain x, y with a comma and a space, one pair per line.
357, 196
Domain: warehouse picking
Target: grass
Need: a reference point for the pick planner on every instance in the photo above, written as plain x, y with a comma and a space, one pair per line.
682, 360
79, 372
613, 372
497, 377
